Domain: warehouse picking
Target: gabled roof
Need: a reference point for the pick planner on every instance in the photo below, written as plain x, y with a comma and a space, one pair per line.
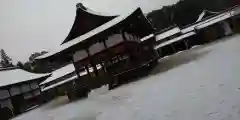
60, 73
85, 21
205, 14
212, 19
15, 76
91, 34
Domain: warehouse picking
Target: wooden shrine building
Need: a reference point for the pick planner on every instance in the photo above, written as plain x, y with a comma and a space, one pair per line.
19, 90
63, 82
58, 83
204, 30
111, 53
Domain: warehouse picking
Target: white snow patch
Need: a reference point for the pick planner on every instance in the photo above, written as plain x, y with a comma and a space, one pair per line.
99, 91
14, 76
204, 87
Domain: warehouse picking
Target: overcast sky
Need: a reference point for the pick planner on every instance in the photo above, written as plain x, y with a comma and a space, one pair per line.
28, 26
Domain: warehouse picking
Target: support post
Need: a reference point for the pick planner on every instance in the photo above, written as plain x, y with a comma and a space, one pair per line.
10, 99
123, 35
88, 72
186, 44
76, 69
103, 67
173, 48
92, 64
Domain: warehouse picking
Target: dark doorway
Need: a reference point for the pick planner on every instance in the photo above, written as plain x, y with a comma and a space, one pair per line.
17, 102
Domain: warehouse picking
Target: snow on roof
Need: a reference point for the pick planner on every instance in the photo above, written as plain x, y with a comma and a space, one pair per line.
192, 27
8, 68
168, 33
147, 37
70, 79
59, 83
90, 11
97, 13
213, 21
60, 73
14, 76
175, 40
202, 15
88, 35
236, 11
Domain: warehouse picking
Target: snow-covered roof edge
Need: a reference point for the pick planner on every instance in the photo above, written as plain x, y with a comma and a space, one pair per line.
88, 35
221, 16
94, 19
59, 73
175, 40
15, 76
168, 33
59, 83
90, 11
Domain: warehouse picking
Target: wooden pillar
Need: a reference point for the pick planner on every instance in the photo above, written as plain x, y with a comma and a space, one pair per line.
123, 35
110, 78
159, 52
76, 69
92, 64
107, 51
31, 89
103, 67
10, 99
135, 38
105, 44
130, 36
30, 86
118, 58
8, 89
186, 43
173, 48
88, 72
21, 91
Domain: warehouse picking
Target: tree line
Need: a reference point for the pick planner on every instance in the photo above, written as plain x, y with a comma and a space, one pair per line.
30, 65
186, 12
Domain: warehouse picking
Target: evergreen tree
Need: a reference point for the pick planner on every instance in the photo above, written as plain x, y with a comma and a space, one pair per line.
33, 66
186, 12
20, 65
6, 61
36, 54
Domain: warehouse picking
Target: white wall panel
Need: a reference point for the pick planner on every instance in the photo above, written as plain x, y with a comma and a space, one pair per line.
15, 90
79, 55
4, 94
96, 48
25, 88
114, 40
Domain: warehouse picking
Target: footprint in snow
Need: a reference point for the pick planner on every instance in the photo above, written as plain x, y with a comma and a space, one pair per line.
215, 113
222, 102
221, 85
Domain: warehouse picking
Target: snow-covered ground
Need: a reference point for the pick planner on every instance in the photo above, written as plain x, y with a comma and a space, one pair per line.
200, 84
